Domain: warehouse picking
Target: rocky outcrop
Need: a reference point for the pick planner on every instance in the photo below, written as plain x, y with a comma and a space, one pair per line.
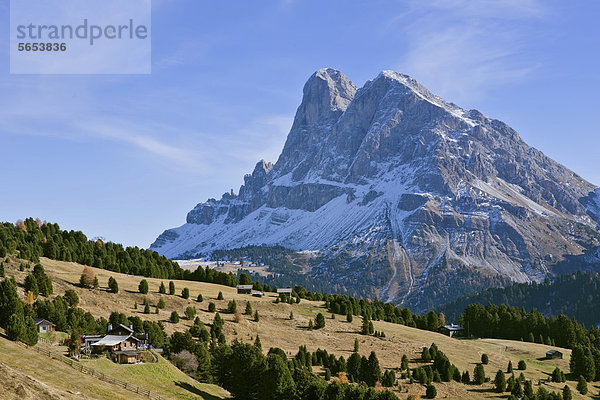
402, 192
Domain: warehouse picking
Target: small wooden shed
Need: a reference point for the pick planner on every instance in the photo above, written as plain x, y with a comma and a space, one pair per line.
44, 326
554, 355
285, 292
244, 289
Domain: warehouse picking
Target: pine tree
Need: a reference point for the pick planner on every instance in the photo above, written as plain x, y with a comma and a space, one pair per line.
174, 317
171, 288
162, 289
190, 312
356, 345
528, 390
484, 359
522, 365
71, 298
500, 382
31, 285
147, 308
582, 385
2, 269
143, 286
425, 356
319, 321
517, 390
113, 285
479, 375
204, 364
310, 325
256, 316
465, 378
291, 315
220, 296
232, 307
211, 307
185, 293
349, 317
567, 395
161, 303
431, 391
257, 342
15, 328
200, 299
374, 372
30, 333
404, 363
509, 369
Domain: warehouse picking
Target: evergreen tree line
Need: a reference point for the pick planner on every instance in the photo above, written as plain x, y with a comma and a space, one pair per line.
577, 295
380, 311
247, 373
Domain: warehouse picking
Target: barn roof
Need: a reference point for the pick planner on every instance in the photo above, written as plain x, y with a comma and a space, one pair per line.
248, 287
453, 327
38, 321
113, 340
284, 290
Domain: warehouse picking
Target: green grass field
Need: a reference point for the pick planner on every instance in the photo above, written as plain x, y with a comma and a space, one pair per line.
161, 378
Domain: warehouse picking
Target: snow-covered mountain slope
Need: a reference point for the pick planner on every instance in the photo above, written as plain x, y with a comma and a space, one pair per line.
402, 193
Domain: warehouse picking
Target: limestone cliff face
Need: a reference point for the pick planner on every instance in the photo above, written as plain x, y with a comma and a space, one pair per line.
399, 190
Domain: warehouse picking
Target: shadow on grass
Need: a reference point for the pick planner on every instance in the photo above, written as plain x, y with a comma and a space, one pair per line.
486, 390
196, 391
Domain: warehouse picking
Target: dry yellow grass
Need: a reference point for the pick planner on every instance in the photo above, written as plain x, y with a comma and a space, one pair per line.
277, 330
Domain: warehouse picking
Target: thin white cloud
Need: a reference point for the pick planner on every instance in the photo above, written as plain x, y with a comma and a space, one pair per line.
462, 49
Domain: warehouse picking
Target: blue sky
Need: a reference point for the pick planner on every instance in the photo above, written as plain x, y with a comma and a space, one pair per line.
127, 156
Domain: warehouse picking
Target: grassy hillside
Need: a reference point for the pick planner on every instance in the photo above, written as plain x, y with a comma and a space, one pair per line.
277, 330
162, 378
26, 374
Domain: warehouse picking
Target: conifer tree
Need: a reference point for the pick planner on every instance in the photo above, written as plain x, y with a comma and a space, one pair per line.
171, 288
500, 382
220, 296
185, 293
582, 385
319, 321
479, 375
113, 285
431, 391
356, 345
162, 289
200, 299
174, 317
143, 286
567, 395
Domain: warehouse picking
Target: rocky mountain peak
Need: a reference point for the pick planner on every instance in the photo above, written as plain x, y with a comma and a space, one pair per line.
327, 94
404, 196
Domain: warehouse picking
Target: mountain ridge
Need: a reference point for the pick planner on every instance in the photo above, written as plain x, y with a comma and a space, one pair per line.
389, 183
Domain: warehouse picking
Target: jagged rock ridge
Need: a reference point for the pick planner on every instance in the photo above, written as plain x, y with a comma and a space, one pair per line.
391, 183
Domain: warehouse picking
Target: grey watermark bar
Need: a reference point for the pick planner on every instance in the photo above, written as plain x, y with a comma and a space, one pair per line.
80, 36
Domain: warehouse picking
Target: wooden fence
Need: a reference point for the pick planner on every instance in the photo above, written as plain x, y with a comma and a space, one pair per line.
97, 374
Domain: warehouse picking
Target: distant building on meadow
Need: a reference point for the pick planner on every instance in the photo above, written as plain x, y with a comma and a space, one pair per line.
44, 326
244, 289
554, 355
451, 329
285, 291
